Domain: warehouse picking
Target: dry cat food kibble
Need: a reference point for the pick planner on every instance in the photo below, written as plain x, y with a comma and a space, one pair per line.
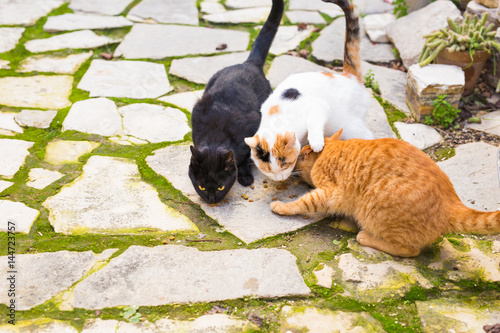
244, 196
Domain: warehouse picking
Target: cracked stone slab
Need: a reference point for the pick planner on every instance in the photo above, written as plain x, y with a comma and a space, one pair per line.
375, 26
419, 135
8, 124
201, 69
179, 274
12, 155
35, 118
40, 178
68, 22
490, 123
108, 7
18, 213
165, 11
131, 79
109, 197
54, 64
66, 152
289, 38
185, 100
323, 274
305, 16
473, 172
83, 39
5, 185
160, 41
209, 7
42, 276
46, 92
172, 163
247, 15
26, 12
9, 37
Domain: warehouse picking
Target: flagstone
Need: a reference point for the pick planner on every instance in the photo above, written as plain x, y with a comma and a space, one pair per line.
165, 11
47, 92
247, 15
26, 12
375, 26
108, 7
211, 7
83, 39
12, 155
5, 185
201, 69
35, 118
131, 79
9, 37
8, 125
17, 215
490, 123
41, 325
66, 152
305, 16
67, 22
4, 64
376, 120
419, 135
180, 274
48, 63
185, 100
367, 7
109, 197
323, 274
473, 172
40, 178
247, 3
323, 7
158, 41
289, 38
41, 276
154, 123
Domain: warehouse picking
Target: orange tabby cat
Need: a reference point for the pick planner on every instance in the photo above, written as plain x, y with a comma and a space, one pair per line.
399, 197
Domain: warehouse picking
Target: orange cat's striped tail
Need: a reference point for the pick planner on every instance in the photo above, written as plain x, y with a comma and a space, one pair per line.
468, 220
352, 60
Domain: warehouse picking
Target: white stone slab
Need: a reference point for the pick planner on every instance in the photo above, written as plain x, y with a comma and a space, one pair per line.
185, 100
4, 64
83, 39
238, 216
131, 79
247, 3
68, 22
109, 197
26, 12
40, 178
160, 41
376, 120
12, 155
35, 118
54, 64
326, 8
179, 274
8, 125
9, 37
108, 7
289, 38
375, 26
367, 7
208, 7
490, 123
20, 216
47, 92
154, 123
5, 185
323, 274
305, 16
473, 172
166, 11
248, 15
64, 152
201, 69
42, 325
419, 135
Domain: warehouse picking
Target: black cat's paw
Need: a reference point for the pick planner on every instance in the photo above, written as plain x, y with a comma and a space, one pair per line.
245, 180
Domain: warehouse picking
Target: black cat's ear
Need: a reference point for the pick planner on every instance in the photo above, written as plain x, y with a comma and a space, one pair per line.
195, 155
229, 158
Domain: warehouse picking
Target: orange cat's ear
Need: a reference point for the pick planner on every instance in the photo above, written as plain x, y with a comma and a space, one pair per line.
252, 142
336, 136
289, 139
305, 151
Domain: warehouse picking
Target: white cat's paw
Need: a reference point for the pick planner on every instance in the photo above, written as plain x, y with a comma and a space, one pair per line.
317, 145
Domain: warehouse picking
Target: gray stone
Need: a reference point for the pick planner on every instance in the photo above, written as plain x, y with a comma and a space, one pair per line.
67, 152
42, 325
41, 276
323, 7
414, 5
289, 38
490, 123
248, 15
247, 3
375, 26
108, 7
407, 32
67, 22
17, 215
323, 274
473, 172
8, 125
211, 7
454, 315
12, 155
305, 16
161, 41
419, 135
48, 63
26, 12
35, 118
475, 8
185, 100
4, 64
235, 214
131, 79
376, 120
5, 185
326, 46
47, 92
109, 197
367, 7
154, 123
40, 178
165, 11
9, 37
84, 39
179, 274
201, 69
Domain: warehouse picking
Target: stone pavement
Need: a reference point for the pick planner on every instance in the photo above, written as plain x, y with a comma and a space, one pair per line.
110, 236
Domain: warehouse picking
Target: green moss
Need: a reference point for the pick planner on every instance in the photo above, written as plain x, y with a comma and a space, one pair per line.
444, 153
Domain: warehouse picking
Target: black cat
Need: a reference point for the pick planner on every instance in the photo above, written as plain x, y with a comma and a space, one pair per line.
228, 112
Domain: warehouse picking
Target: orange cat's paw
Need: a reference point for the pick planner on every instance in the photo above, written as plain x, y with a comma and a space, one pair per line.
362, 237
278, 207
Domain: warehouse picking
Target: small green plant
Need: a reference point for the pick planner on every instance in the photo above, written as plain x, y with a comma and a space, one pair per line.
371, 83
130, 313
443, 113
400, 8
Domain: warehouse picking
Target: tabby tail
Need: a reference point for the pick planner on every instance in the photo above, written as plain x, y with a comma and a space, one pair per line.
468, 220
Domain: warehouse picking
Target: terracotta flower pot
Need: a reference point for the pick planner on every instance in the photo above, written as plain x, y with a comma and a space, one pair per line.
462, 59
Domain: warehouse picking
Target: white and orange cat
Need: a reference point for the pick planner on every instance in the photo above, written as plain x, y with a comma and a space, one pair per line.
306, 107
399, 197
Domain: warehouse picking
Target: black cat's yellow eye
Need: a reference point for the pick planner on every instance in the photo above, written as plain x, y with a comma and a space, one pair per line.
201, 187
221, 188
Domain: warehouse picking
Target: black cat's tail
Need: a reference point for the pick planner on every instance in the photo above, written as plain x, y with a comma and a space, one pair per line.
352, 60
262, 44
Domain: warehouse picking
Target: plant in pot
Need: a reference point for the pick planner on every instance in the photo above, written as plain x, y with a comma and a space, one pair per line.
467, 44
